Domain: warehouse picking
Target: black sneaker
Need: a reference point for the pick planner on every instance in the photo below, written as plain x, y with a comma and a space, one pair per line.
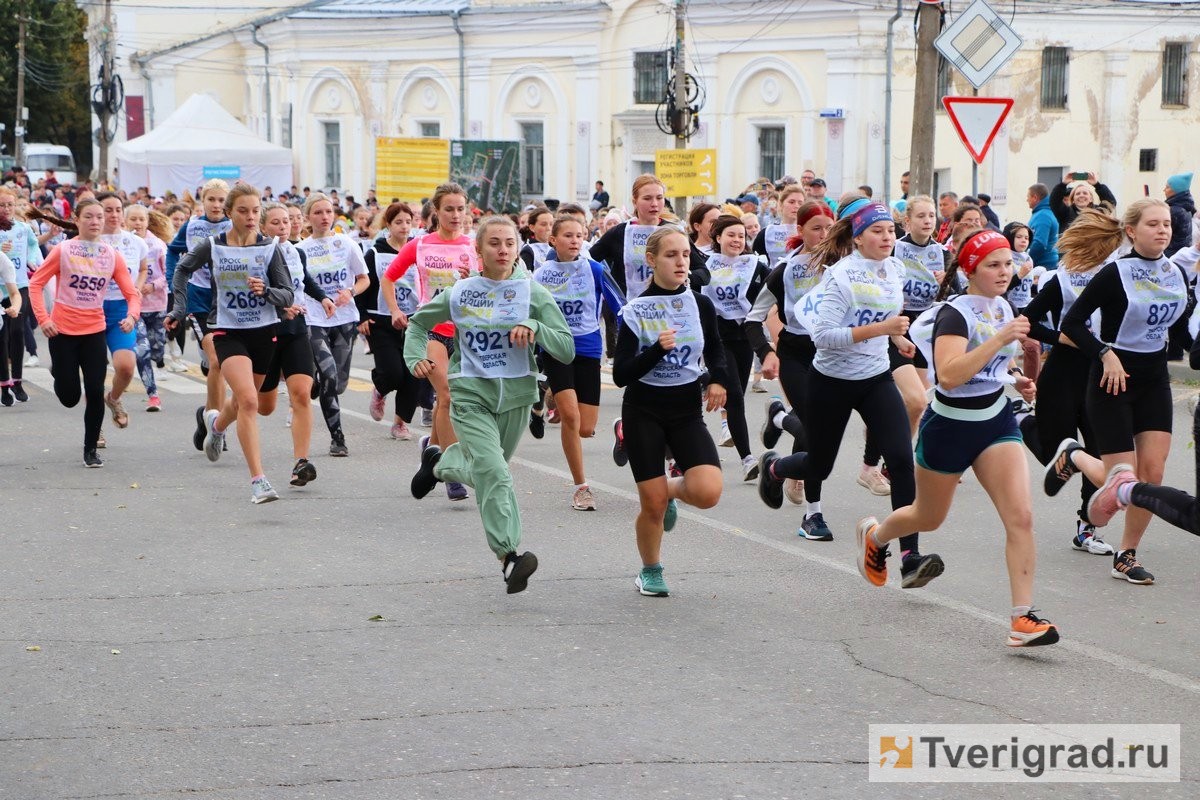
517, 569
337, 445
620, 457
1127, 567
916, 570
6, 397
537, 424
201, 430
1060, 469
424, 481
770, 431
19, 392
814, 529
303, 472
91, 459
770, 489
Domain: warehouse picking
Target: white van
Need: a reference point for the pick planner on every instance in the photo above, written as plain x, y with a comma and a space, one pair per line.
40, 157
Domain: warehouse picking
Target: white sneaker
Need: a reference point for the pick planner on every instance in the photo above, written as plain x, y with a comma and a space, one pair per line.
793, 490
32, 361
750, 468
757, 386
726, 438
871, 479
176, 364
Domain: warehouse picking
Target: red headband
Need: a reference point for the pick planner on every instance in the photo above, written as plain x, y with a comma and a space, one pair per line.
977, 247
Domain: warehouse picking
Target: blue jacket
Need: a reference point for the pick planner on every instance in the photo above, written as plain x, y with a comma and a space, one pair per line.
1044, 225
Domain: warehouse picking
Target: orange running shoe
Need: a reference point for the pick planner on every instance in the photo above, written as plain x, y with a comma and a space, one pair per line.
1030, 631
872, 559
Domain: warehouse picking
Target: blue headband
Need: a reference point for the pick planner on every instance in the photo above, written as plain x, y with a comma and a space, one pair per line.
850, 209
869, 216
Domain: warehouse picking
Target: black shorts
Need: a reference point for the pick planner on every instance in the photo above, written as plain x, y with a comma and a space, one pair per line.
293, 356
256, 344
950, 444
446, 341
582, 375
649, 434
896, 360
1145, 405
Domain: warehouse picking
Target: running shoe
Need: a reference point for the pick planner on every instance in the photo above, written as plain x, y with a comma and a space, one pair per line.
6, 396
814, 529
213, 441
337, 445
101, 442
757, 387
872, 479
650, 583
770, 431
1127, 567
19, 392
1029, 630
153, 403
619, 455
424, 481
400, 431
261, 491
770, 488
201, 431
671, 515
455, 491
1020, 407
583, 499
1105, 504
1087, 541
422, 443
303, 473
749, 468
118, 410
91, 459
537, 425
517, 569
376, 407
726, 438
793, 490
32, 361
1061, 469
552, 417
916, 570
177, 365
871, 559
426, 417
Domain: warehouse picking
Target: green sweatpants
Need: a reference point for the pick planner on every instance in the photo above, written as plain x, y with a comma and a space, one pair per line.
486, 441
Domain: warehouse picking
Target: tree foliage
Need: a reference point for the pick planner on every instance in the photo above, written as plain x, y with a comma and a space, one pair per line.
57, 87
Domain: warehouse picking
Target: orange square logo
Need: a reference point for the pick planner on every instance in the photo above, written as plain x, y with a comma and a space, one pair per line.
896, 752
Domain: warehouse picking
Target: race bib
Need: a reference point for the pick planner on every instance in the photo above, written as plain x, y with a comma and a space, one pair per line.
85, 270
1157, 296
650, 316
484, 312
920, 283
775, 239
438, 266
727, 287
637, 271
199, 229
232, 268
573, 288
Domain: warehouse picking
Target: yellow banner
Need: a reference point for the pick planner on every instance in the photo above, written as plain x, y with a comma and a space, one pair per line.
687, 173
409, 169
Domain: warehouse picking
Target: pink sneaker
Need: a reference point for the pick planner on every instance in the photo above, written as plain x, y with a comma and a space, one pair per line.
400, 431
377, 402
153, 403
1104, 503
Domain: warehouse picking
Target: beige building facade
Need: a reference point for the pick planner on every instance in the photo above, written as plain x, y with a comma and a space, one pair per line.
787, 86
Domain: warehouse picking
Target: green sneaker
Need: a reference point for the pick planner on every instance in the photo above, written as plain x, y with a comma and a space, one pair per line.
671, 515
650, 582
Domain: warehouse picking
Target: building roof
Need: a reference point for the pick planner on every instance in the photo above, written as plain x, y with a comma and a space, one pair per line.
382, 8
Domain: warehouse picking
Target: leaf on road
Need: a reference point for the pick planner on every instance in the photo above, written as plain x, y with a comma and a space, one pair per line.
376, 618
34, 648
134, 486
116, 652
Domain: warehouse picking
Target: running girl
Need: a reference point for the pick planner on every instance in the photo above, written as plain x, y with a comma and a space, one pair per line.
1021, 293
498, 317
664, 333
19, 242
535, 251
151, 335
772, 241
121, 343
75, 328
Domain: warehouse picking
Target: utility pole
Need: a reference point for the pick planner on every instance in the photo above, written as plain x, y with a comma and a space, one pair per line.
18, 121
107, 68
680, 91
920, 159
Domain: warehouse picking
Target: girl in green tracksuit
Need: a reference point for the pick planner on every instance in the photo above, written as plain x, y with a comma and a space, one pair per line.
498, 316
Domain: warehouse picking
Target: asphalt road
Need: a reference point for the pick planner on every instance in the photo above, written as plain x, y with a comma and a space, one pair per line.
192, 644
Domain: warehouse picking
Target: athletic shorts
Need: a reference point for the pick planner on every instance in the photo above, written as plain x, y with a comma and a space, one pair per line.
199, 305
896, 360
256, 344
117, 339
650, 434
447, 341
293, 356
949, 439
582, 375
1145, 405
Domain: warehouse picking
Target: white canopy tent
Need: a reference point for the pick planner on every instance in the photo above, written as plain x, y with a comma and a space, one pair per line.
200, 140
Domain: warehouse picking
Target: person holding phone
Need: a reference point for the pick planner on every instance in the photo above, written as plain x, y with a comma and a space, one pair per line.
1077, 192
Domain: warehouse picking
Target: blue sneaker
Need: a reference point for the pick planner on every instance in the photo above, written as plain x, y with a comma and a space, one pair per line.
650, 583
671, 515
814, 529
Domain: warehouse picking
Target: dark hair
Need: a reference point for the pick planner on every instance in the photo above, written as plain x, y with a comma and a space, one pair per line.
965, 208
1010, 232
812, 208
951, 276
1039, 190
571, 208
697, 215
566, 219
100, 198
724, 223
394, 210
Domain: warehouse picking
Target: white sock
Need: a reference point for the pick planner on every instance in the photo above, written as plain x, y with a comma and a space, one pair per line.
814, 507
579, 486
1020, 610
778, 419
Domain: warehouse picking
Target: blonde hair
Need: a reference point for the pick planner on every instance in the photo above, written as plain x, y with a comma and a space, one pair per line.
913, 201
644, 180
270, 205
445, 190
160, 225
1091, 239
654, 243
491, 222
212, 185
789, 190
312, 200
134, 208
1138, 208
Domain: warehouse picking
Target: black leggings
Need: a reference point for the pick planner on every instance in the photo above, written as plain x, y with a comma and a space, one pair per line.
12, 340
70, 355
878, 402
795, 355
391, 373
1061, 414
739, 359
1178, 508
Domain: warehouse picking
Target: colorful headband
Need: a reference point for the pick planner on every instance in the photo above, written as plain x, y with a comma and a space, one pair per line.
977, 247
868, 216
852, 208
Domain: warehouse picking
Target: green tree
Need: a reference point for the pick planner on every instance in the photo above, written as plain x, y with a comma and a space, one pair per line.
57, 87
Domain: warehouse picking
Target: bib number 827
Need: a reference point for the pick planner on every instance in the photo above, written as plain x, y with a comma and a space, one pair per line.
1161, 313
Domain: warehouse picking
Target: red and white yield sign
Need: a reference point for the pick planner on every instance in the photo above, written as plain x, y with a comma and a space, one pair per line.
977, 121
